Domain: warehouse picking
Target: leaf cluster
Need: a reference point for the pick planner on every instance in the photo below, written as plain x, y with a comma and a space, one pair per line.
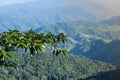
29, 41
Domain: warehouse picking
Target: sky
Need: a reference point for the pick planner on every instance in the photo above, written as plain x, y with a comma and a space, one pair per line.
105, 2
109, 4
9, 2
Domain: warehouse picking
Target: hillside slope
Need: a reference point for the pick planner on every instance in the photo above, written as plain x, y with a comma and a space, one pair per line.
77, 28
46, 66
89, 39
109, 53
100, 50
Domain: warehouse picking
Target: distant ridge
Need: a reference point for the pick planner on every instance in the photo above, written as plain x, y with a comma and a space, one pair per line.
114, 21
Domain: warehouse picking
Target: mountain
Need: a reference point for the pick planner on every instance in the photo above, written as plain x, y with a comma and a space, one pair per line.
78, 28
114, 21
46, 66
87, 35
39, 13
100, 50
89, 48
83, 28
89, 39
109, 53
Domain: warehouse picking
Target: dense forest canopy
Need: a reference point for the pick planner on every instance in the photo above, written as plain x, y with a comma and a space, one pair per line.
47, 66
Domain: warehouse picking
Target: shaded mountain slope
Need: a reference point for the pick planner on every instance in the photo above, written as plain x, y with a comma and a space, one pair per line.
109, 53
100, 50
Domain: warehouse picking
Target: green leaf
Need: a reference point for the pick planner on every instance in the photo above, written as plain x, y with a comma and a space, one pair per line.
8, 54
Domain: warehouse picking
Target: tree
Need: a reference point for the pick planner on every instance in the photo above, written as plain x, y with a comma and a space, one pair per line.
12, 40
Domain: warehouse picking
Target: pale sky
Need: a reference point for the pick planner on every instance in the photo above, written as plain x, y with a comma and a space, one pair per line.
113, 5
9, 2
109, 3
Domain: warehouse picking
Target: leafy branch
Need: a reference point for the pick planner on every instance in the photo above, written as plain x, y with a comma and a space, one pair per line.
12, 40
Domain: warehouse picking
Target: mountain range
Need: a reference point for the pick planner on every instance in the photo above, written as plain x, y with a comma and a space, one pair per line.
93, 31
89, 39
36, 14
79, 23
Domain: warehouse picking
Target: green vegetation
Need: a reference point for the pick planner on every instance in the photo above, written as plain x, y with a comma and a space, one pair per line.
92, 40
110, 75
47, 66
43, 66
29, 41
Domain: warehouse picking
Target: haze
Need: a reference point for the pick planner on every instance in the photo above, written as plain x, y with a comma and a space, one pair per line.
111, 4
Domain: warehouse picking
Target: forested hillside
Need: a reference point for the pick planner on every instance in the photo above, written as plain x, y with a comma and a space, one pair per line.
46, 66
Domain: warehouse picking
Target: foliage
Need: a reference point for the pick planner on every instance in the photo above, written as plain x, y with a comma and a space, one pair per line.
47, 66
13, 40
